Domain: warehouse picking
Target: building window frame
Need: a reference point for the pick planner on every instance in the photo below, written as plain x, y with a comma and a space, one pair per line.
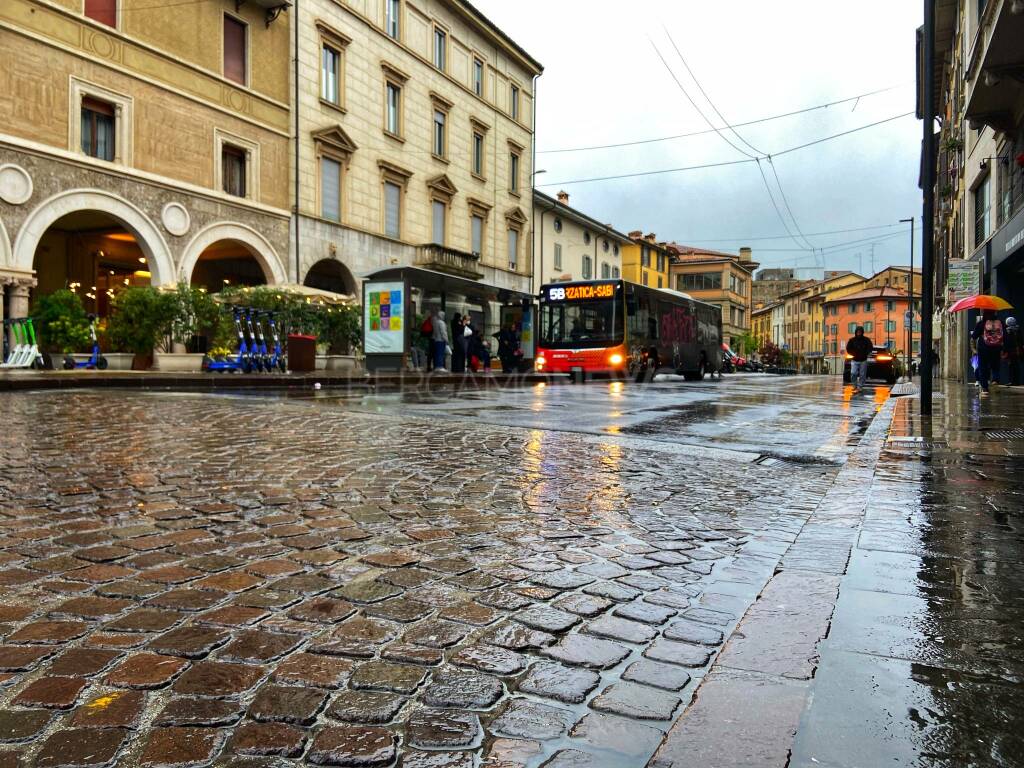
246, 52
515, 221
982, 198
515, 95
439, 131
439, 49
117, 14
333, 144
394, 82
478, 75
393, 26
337, 43
80, 90
557, 256
251, 150
398, 177
515, 163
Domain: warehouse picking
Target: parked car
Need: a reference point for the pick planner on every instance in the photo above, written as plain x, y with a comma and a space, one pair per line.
882, 364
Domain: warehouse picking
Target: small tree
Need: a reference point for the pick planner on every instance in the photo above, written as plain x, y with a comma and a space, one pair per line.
141, 317
62, 322
747, 343
195, 314
340, 329
770, 354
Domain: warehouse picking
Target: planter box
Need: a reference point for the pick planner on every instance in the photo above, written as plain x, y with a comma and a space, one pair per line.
342, 363
116, 361
177, 362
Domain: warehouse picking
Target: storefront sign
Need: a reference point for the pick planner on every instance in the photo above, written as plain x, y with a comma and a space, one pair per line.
384, 318
964, 278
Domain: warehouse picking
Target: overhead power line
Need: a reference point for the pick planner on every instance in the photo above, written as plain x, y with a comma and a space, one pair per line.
712, 130
785, 237
726, 162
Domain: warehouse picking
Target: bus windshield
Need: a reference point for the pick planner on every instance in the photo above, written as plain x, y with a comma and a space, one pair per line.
580, 324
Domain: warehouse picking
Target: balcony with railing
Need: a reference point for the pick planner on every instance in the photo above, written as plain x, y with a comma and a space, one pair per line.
996, 65
448, 260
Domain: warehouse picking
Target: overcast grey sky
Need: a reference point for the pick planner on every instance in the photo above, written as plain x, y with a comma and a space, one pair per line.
604, 83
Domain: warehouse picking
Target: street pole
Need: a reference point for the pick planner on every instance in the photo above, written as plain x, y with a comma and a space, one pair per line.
928, 219
910, 308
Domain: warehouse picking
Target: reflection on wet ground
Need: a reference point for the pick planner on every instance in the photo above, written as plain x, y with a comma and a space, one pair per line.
924, 662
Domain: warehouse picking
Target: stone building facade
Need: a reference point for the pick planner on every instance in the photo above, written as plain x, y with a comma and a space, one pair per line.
141, 143
569, 245
415, 125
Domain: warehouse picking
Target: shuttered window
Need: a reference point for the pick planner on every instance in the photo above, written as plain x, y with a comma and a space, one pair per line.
392, 210
234, 50
330, 189
103, 11
513, 249
437, 231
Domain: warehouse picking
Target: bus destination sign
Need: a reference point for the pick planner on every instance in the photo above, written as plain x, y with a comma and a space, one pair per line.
581, 292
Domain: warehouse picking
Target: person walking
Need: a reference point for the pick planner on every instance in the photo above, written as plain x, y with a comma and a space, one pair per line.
1012, 350
439, 340
508, 345
459, 344
859, 348
988, 336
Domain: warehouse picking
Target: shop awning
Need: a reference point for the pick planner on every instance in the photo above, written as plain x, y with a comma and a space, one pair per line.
439, 282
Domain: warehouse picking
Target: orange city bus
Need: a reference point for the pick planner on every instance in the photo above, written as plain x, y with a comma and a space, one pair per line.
620, 328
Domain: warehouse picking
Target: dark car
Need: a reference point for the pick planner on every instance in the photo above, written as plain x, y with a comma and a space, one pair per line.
882, 364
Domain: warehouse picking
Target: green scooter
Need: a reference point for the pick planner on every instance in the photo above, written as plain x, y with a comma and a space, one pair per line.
25, 353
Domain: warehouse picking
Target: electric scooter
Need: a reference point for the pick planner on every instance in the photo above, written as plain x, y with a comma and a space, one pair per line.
261, 345
242, 360
26, 351
255, 358
277, 357
96, 360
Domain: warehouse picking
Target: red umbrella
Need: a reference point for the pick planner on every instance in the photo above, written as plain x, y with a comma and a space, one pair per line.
982, 301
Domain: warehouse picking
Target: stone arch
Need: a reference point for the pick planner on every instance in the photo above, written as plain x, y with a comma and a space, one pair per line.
255, 243
148, 237
331, 274
6, 255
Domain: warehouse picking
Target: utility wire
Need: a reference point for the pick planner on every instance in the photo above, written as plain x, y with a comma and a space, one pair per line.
775, 205
712, 130
786, 203
727, 162
784, 237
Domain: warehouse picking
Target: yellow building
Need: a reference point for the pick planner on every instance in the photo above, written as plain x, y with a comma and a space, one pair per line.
895, 277
142, 142
415, 145
761, 324
645, 261
723, 279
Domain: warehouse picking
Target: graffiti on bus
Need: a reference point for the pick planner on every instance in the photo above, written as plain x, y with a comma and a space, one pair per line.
678, 326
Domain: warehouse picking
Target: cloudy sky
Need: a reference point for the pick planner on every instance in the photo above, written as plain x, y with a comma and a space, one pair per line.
605, 84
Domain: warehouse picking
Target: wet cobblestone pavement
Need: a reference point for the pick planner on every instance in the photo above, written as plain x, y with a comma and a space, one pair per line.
193, 580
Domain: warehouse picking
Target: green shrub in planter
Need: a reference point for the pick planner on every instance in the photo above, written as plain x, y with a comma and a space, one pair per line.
141, 318
340, 329
61, 322
196, 313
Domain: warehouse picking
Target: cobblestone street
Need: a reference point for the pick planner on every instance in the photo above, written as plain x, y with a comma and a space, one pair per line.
192, 579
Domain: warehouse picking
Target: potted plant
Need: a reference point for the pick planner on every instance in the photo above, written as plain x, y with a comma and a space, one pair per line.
339, 335
194, 316
61, 322
140, 317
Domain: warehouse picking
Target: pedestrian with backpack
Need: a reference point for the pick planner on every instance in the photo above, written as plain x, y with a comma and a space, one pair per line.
1012, 350
989, 336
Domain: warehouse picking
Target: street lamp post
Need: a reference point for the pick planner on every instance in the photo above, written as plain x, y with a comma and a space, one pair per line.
910, 307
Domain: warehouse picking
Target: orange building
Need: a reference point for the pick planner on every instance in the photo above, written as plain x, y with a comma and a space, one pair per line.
880, 311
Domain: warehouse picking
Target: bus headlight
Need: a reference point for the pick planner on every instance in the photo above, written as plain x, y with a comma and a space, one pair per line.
540, 362
615, 359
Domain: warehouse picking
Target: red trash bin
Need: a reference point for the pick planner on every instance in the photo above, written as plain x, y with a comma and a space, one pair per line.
301, 352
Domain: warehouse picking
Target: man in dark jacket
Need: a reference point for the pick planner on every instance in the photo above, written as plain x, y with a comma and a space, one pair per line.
859, 348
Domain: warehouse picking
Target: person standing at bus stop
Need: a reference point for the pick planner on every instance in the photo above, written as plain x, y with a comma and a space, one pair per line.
439, 340
859, 348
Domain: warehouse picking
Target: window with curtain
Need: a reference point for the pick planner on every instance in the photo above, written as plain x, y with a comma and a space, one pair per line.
392, 9
440, 48
478, 77
392, 210
439, 142
513, 249
330, 189
98, 129
394, 117
233, 170
103, 11
234, 50
330, 67
439, 211
478, 153
476, 226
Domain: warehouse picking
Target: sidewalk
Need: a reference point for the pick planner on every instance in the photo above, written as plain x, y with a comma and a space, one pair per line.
909, 651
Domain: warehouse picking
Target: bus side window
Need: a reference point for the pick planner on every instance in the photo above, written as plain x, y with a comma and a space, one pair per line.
630, 303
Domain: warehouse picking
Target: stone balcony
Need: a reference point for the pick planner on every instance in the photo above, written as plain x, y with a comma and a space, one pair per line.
448, 260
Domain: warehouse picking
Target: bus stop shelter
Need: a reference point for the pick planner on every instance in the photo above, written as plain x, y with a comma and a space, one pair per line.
394, 297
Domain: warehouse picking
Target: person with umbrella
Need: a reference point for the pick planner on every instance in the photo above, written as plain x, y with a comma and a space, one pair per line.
989, 335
